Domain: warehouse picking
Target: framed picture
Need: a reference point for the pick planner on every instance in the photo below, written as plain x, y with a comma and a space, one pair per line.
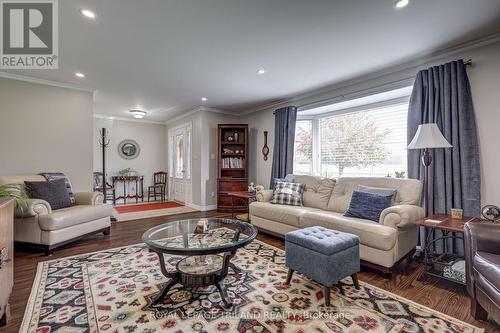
129, 149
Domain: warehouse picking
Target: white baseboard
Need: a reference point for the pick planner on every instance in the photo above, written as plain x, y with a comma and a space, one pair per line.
201, 208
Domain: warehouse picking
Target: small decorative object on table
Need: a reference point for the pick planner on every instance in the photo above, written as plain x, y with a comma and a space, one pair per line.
457, 213
236, 136
251, 187
201, 226
491, 213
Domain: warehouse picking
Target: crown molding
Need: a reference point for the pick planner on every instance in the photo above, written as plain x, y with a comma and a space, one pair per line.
58, 84
415, 62
196, 110
132, 120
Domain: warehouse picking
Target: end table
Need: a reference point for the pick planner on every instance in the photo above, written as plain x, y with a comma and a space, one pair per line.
450, 229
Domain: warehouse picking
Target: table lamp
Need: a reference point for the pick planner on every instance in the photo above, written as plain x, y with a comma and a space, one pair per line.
428, 136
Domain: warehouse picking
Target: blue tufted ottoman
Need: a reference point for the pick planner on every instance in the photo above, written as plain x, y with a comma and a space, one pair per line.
324, 255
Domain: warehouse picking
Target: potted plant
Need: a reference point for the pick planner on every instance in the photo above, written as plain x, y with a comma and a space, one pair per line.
14, 191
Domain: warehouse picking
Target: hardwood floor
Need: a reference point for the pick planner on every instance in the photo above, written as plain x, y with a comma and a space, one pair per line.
439, 295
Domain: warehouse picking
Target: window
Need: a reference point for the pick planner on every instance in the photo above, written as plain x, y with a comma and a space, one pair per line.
368, 142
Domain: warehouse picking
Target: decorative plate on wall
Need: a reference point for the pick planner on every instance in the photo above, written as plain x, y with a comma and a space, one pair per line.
129, 149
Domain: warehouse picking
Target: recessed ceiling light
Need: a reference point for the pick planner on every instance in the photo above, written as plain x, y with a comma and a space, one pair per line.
139, 114
204, 99
87, 13
401, 3
80, 75
261, 71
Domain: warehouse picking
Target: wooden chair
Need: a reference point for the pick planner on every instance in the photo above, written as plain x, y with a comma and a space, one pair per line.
110, 190
159, 186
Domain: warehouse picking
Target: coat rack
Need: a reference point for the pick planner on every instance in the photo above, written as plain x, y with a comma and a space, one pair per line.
104, 143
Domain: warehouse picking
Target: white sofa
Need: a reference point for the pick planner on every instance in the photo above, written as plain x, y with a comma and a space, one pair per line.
325, 201
38, 226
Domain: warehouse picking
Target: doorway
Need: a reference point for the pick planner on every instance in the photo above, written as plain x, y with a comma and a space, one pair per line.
180, 163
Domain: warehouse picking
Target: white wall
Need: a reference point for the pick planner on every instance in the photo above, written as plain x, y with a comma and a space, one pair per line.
484, 77
152, 140
46, 128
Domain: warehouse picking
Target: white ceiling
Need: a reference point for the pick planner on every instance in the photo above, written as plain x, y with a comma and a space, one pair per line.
164, 55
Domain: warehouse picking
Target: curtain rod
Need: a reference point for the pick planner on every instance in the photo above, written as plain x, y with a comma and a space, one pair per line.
467, 63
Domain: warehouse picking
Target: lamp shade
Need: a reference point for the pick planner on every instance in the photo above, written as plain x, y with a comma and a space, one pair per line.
428, 136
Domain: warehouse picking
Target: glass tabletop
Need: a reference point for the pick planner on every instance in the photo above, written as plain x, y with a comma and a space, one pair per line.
199, 236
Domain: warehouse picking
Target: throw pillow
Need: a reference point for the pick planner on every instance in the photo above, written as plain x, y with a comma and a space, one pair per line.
54, 192
368, 205
288, 194
59, 175
284, 180
378, 190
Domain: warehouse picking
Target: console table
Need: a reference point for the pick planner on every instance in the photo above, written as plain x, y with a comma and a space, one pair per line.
126, 180
7, 256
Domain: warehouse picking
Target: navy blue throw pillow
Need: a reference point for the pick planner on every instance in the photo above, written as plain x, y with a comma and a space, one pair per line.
54, 192
368, 205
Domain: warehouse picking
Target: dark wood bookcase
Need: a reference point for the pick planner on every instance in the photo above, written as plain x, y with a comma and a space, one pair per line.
232, 164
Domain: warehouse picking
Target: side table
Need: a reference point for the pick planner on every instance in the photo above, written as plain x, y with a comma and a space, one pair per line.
244, 196
450, 229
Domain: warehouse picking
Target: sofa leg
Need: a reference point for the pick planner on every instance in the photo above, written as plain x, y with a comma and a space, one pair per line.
477, 311
107, 231
387, 275
326, 291
355, 281
289, 276
49, 251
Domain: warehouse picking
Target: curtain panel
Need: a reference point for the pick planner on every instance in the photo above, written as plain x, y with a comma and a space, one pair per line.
284, 139
442, 95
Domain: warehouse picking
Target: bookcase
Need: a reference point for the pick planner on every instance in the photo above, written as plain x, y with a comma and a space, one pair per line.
232, 157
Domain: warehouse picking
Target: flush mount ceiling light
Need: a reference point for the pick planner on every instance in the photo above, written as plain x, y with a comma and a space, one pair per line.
138, 114
87, 13
80, 75
401, 3
261, 71
204, 99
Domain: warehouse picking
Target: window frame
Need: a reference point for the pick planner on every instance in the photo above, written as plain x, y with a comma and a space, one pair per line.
315, 119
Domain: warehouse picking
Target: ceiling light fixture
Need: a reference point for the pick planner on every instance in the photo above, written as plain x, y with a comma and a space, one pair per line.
87, 13
401, 3
261, 71
138, 114
204, 99
80, 75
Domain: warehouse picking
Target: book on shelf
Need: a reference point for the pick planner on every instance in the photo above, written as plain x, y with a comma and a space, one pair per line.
232, 163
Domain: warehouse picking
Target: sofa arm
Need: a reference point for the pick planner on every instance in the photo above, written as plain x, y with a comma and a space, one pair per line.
401, 216
89, 198
264, 195
32, 207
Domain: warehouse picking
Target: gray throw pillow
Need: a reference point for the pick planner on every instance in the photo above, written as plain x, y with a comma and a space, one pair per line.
54, 192
288, 194
368, 206
379, 190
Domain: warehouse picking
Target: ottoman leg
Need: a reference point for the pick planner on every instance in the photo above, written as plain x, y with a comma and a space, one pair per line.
354, 278
326, 291
289, 276
339, 285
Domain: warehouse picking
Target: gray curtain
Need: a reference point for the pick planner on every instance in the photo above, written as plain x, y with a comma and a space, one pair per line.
441, 95
284, 139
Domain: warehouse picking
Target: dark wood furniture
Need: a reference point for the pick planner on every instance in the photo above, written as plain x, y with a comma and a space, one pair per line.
232, 146
7, 257
451, 229
159, 186
244, 197
110, 190
139, 185
207, 253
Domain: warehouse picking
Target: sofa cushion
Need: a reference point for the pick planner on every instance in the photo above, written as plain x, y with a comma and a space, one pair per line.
368, 205
288, 194
322, 240
280, 213
74, 215
317, 190
407, 190
370, 233
54, 192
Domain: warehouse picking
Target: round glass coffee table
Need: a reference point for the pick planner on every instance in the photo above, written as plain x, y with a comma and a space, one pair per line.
207, 251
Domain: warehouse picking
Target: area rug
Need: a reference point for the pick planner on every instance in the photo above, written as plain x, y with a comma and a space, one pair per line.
137, 215
146, 206
112, 290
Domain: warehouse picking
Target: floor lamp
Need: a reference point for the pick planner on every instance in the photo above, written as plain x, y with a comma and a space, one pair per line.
428, 136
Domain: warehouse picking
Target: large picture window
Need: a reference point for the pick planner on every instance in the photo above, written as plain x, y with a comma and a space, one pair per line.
367, 142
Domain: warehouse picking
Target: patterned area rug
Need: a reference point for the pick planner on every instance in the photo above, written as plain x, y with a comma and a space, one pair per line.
111, 291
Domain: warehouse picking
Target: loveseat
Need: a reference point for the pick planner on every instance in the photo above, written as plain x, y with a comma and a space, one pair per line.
37, 225
383, 244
